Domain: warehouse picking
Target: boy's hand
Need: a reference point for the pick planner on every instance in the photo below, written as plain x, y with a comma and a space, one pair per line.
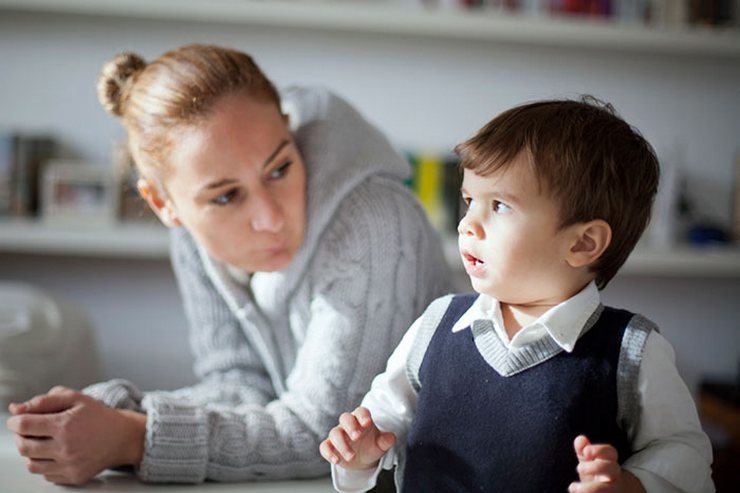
599, 471
356, 443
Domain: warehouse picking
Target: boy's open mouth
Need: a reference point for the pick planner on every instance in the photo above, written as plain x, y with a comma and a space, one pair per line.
472, 259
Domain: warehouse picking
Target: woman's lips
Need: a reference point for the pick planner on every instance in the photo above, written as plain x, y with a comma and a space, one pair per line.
473, 265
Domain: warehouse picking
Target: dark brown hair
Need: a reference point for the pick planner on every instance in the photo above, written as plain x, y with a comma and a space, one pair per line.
587, 158
180, 88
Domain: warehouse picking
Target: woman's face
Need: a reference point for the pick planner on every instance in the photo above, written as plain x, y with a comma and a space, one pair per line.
237, 183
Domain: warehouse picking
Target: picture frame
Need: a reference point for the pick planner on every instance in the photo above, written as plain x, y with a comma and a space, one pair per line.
78, 193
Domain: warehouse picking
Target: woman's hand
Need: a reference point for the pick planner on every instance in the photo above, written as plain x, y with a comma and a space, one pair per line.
599, 471
69, 437
356, 443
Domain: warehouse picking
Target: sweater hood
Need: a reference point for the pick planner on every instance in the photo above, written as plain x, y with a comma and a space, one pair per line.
340, 150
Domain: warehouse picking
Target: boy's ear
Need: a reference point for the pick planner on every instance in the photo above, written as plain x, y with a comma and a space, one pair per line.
590, 241
162, 207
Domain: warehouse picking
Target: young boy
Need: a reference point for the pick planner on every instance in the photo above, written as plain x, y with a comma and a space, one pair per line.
533, 385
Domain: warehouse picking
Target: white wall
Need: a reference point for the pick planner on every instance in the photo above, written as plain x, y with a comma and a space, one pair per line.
424, 93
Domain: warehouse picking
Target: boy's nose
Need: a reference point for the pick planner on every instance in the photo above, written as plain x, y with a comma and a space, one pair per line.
266, 214
468, 227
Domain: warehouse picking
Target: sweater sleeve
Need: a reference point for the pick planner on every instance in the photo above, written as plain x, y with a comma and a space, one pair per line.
228, 369
365, 291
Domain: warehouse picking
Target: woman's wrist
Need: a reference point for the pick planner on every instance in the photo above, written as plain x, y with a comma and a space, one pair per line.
134, 432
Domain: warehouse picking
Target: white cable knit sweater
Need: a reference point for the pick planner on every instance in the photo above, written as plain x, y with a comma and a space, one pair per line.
280, 359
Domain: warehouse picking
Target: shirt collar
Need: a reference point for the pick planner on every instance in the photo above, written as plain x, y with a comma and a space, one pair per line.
563, 322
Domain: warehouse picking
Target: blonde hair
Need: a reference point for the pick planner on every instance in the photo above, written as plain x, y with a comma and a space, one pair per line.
178, 89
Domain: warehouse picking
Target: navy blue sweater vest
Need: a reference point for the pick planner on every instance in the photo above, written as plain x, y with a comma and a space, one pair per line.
475, 430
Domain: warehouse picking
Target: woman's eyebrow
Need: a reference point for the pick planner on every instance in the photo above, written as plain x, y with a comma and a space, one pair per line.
280, 146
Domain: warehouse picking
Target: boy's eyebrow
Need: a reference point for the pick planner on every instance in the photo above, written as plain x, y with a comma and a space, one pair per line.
505, 196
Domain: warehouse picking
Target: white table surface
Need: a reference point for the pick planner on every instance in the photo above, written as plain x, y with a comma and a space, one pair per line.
14, 478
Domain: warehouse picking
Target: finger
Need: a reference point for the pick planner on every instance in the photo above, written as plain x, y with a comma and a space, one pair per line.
33, 425
385, 441
328, 452
340, 440
363, 416
351, 425
579, 444
35, 448
588, 488
601, 451
49, 403
600, 470
42, 466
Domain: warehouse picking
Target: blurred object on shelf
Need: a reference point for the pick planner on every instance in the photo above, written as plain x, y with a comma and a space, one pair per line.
22, 157
43, 342
736, 211
436, 181
713, 12
719, 409
659, 13
707, 234
663, 231
131, 207
78, 193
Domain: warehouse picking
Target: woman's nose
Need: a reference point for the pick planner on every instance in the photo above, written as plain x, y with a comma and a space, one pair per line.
267, 217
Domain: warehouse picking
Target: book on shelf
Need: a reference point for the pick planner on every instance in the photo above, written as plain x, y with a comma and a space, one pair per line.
22, 157
436, 181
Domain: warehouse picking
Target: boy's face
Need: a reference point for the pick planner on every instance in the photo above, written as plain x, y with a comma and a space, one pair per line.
510, 240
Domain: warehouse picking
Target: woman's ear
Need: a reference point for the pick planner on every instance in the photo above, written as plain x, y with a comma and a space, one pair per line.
590, 241
162, 207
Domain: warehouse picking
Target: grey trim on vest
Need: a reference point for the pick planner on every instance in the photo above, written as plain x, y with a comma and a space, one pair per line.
510, 361
628, 369
428, 324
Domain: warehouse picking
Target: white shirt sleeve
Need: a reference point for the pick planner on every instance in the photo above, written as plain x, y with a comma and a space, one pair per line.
392, 404
671, 452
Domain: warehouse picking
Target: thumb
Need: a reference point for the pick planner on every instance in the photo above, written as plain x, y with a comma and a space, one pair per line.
385, 441
45, 403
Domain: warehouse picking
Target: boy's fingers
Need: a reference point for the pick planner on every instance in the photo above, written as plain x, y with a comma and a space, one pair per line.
579, 444
588, 488
602, 451
351, 426
363, 416
385, 441
600, 470
340, 441
328, 452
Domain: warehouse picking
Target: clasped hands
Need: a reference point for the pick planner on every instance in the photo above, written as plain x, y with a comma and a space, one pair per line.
69, 437
357, 443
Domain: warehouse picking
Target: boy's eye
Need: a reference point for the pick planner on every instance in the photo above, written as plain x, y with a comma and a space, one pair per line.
224, 198
281, 171
500, 207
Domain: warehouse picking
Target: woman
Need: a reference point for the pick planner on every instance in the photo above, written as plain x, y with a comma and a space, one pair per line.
295, 245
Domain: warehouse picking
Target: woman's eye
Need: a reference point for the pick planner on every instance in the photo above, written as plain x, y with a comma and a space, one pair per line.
500, 207
281, 171
224, 198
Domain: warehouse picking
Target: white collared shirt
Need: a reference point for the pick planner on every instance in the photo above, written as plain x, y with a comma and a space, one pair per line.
671, 452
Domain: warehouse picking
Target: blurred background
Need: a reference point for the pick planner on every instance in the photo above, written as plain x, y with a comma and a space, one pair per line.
428, 74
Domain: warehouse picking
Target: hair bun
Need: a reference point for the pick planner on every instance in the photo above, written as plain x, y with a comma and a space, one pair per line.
114, 80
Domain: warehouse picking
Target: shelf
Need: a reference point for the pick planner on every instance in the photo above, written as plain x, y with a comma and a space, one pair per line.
390, 18
152, 241
678, 262
149, 241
